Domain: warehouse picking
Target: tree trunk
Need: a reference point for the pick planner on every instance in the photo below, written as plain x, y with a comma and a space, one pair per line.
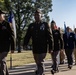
19, 45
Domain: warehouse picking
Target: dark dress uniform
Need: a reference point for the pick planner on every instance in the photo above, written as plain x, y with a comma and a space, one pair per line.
57, 46
40, 34
6, 40
75, 49
69, 41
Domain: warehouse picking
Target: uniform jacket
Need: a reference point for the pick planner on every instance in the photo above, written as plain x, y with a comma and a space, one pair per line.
75, 40
40, 34
6, 37
57, 40
69, 42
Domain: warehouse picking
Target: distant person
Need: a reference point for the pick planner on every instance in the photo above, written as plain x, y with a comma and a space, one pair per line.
6, 39
40, 34
57, 46
69, 40
75, 46
62, 54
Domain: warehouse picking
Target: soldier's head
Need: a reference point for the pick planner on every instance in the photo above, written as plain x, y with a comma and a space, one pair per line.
67, 29
2, 16
53, 24
38, 15
75, 30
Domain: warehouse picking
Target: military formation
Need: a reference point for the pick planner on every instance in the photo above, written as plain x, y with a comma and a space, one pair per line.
49, 38
45, 38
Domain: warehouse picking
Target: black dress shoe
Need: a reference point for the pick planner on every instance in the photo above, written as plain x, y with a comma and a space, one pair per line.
62, 62
40, 74
75, 63
52, 72
36, 72
70, 66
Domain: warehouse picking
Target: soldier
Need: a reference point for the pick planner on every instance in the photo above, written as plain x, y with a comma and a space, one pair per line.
40, 33
69, 41
75, 46
57, 46
62, 54
6, 39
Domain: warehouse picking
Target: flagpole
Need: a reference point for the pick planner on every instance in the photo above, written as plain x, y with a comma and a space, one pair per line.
10, 51
65, 27
73, 26
10, 60
14, 29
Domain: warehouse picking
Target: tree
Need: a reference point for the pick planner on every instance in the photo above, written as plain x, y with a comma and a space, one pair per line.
23, 11
2, 7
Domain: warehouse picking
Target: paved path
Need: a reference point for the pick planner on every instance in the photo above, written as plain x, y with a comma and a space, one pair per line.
30, 68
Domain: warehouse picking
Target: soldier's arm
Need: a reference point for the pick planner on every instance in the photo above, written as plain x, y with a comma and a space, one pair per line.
11, 35
27, 36
49, 37
61, 41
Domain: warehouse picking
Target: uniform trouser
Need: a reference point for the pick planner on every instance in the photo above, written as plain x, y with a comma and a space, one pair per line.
62, 56
39, 59
3, 67
75, 54
55, 60
69, 54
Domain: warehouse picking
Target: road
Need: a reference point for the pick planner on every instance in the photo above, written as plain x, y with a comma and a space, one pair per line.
29, 69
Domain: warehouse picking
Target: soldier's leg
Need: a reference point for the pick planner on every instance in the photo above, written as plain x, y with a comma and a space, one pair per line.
41, 63
62, 57
3, 66
7, 73
58, 58
55, 60
75, 55
39, 59
67, 55
36, 61
70, 57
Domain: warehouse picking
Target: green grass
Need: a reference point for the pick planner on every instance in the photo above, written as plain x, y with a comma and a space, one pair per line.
22, 58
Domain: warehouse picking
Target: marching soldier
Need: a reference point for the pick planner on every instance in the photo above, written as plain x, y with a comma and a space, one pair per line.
62, 54
6, 39
57, 46
69, 41
40, 34
75, 46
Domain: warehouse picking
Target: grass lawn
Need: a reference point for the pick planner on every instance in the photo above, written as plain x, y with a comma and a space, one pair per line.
22, 58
